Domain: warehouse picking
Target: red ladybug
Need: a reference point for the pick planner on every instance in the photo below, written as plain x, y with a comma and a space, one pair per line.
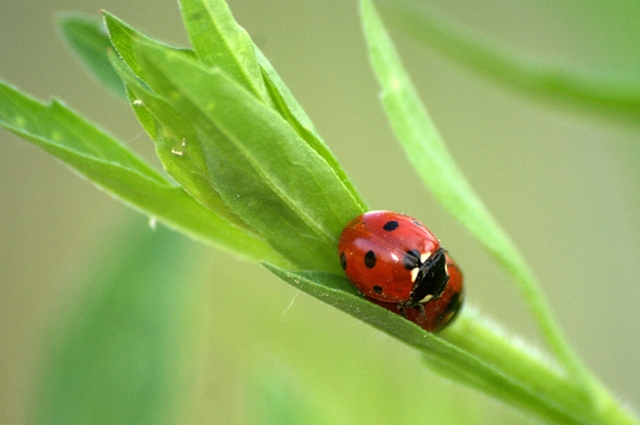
393, 258
438, 312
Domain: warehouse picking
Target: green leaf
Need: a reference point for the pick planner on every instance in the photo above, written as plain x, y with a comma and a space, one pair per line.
108, 164
62, 127
309, 247
263, 171
88, 40
221, 43
605, 92
123, 355
473, 352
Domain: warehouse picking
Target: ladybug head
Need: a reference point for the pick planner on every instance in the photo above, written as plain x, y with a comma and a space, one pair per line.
431, 279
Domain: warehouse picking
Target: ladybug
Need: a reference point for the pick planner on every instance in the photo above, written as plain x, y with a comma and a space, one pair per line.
437, 313
393, 258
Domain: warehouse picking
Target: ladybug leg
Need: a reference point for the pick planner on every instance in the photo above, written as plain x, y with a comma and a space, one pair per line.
420, 308
402, 309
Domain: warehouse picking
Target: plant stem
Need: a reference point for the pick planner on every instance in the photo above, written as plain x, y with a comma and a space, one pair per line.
530, 381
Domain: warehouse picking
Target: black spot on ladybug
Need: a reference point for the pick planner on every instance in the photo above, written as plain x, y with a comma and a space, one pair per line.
370, 259
377, 289
411, 259
391, 225
343, 261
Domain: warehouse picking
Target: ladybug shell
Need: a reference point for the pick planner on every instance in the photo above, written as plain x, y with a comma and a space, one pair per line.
438, 313
374, 250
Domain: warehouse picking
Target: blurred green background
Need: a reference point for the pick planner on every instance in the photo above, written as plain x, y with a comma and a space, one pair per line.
566, 186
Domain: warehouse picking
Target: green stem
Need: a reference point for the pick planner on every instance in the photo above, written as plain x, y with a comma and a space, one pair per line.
543, 315
525, 379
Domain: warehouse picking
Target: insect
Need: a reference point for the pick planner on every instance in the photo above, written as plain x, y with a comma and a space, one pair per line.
438, 312
393, 258
397, 263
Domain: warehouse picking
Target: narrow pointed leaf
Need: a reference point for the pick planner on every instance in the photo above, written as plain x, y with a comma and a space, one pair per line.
108, 164
220, 42
426, 150
123, 37
88, 39
63, 127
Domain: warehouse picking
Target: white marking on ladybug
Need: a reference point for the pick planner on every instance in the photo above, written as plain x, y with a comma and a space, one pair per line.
394, 256
414, 274
425, 299
424, 257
